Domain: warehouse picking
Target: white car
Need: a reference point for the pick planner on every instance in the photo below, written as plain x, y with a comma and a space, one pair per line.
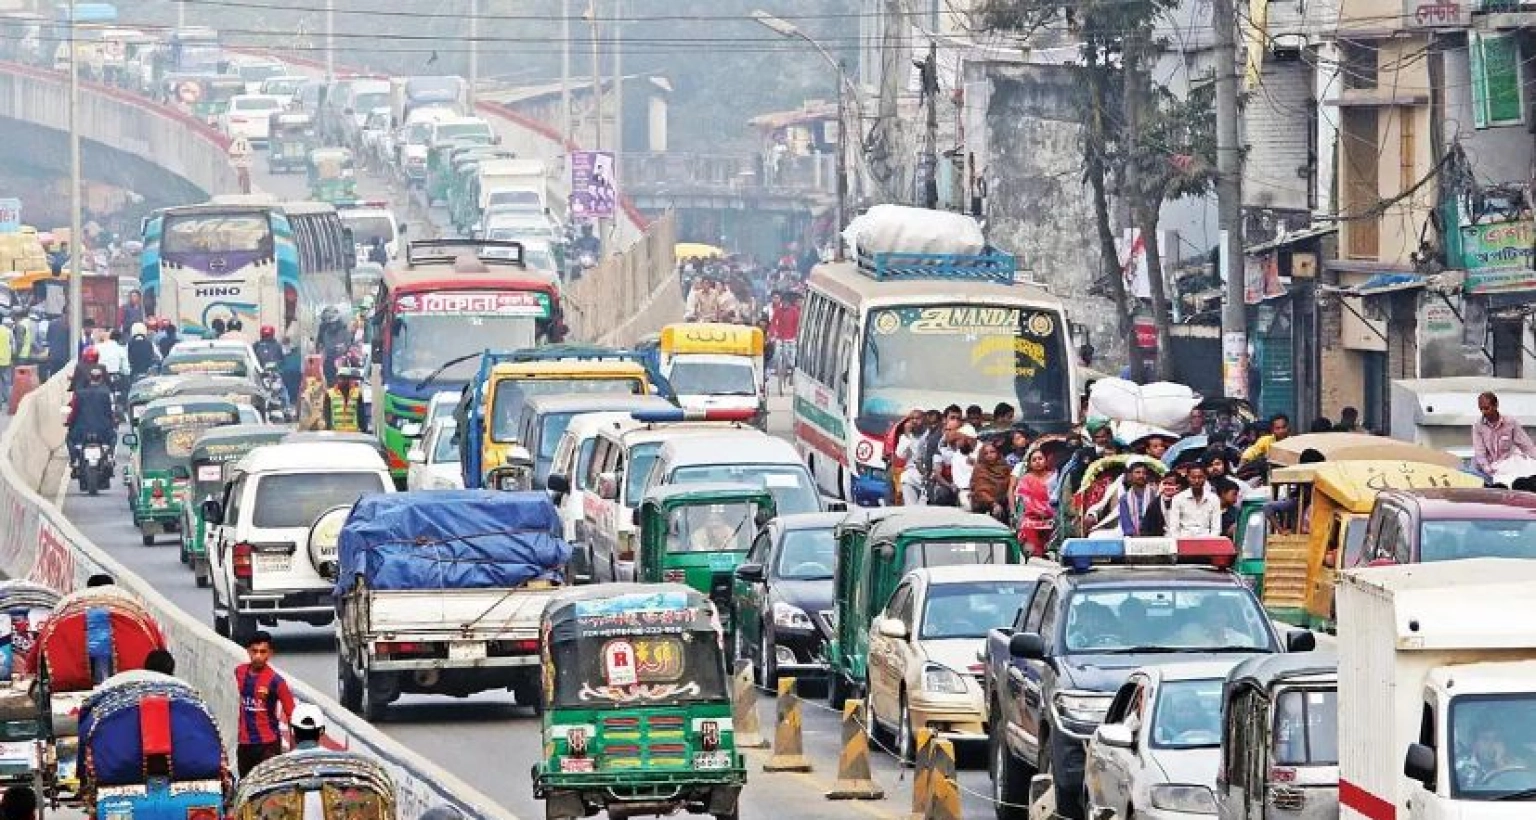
1156, 754
254, 72
284, 86
923, 648
434, 459
248, 116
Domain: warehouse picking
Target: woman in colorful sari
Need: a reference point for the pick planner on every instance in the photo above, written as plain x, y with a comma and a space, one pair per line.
1032, 503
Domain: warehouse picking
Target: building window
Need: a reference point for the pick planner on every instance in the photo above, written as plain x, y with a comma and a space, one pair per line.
1358, 64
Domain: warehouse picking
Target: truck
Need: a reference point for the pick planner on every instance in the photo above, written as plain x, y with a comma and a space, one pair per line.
409, 93
1437, 690
441, 593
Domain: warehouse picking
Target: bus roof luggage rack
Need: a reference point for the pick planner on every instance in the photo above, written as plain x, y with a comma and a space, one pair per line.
448, 251
993, 266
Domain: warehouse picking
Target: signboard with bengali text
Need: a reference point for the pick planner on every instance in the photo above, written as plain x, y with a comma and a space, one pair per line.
483, 303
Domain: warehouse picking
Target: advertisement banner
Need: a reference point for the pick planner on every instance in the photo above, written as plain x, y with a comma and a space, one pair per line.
1497, 245
594, 192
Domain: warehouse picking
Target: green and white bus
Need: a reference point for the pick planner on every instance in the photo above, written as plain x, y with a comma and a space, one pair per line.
898, 331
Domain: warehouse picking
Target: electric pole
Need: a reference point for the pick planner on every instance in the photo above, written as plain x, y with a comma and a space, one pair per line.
931, 134
1229, 204
565, 71
842, 159
474, 54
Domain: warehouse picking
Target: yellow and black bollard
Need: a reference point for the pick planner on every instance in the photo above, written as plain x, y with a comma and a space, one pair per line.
745, 724
921, 784
854, 781
943, 792
788, 738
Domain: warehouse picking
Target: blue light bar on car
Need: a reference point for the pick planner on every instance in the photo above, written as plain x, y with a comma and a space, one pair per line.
1079, 554
679, 414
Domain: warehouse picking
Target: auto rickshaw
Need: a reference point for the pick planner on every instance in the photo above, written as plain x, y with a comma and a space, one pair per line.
21, 738
638, 718
71, 662
351, 786
210, 452
1357, 447
876, 547
697, 534
157, 475
332, 175
238, 389
291, 141
26, 606
1094, 495
1281, 711
151, 751
440, 165
1320, 529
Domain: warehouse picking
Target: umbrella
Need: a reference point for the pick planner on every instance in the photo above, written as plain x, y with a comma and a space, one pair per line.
1193, 446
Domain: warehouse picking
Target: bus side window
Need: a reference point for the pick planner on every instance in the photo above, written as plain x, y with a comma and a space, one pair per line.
822, 351
810, 337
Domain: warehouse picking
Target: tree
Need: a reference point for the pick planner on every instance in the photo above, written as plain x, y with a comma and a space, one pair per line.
1160, 147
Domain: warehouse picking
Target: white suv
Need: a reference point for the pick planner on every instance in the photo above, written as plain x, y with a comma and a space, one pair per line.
259, 554
248, 117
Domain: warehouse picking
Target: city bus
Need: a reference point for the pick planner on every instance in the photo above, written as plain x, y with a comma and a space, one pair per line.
441, 305
220, 261
323, 239
194, 49
885, 335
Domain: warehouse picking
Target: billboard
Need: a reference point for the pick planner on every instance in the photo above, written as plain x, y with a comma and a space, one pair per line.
594, 189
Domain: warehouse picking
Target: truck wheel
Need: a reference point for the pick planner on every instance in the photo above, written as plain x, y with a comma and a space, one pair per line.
241, 627
346, 685
1010, 786
767, 661
147, 539
837, 689
373, 704
531, 696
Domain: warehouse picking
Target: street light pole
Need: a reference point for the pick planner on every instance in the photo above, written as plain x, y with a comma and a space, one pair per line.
842, 165
597, 84
330, 41
565, 70
76, 289
474, 52
618, 84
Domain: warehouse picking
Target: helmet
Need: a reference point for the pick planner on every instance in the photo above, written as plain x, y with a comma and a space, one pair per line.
307, 716
90, 356
330, 314
138, 329
268, 332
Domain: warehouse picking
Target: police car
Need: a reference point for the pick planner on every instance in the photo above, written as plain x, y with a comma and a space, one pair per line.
1113, 606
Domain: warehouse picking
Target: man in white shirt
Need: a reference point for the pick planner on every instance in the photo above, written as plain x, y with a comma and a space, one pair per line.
1196, 512
111, 354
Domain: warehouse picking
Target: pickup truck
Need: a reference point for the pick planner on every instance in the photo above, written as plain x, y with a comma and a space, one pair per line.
1049, 678
441, 593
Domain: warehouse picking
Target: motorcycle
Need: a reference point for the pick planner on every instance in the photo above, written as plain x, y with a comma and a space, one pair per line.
277, 402
95, 465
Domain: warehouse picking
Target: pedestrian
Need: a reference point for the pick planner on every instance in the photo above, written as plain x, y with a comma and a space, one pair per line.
19, 803
1195, 512
1002, 416
378, 253
307, 727
169, 340
1230, 495
1349, 421
159, 660
263, 692
989, 483
1032, 500
1279, 430
60, 340
1155, 521
909, 433
1321, 424
1496, 437
973, 417
133, 312
1018, 447
1137, 498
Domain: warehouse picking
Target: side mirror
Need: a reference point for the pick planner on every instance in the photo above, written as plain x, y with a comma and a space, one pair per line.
1419, 765
558, 483
213, 512
1300, 641
131, 439
415, 456
762, 516
608, 486
893, 628
751, 573
1027, 646
1117, 735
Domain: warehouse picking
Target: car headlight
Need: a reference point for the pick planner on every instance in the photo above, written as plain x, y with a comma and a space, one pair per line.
942, 680
1083, 707
789, 616
1190, 799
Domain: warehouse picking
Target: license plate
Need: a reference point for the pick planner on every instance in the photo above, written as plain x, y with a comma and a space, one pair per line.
93, 453
577, 764
271, 562
712, 760
466, 650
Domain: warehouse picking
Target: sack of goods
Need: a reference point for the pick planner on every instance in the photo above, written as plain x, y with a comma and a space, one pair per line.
1159, 404
903, 229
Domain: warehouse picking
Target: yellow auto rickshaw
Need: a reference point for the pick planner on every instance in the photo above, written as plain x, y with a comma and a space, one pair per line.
1323, 530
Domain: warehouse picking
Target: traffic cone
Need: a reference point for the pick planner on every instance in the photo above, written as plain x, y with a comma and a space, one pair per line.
745, 724
854, 781
943, 794
788, 738
921, 766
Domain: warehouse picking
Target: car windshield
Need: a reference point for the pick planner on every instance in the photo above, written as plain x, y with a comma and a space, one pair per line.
256, 72
15, 730
446, 452
968, 609
368, 227
423, 342
789, 484
1307, 727
256, 104
507, 402
1188, 714
955, 553
554, 425
637, 466
519, 231
1170, 618
711, 527
469, 129
1481, 538
933, 356
297, 499
367, 102
807, 555
691, 378
529, 200
1493, 746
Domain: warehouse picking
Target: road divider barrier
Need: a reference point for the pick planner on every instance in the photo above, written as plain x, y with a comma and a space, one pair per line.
38, 543
788, 733
746, 726
854, 779
943, 790
922, 766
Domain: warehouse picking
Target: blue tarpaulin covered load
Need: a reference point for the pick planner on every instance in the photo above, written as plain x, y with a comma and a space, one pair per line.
456, 539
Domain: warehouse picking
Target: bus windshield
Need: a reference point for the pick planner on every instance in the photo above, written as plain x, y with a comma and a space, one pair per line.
422, 343
205, 233
933, 356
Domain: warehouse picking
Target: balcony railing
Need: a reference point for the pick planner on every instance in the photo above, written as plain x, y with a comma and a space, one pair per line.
729, 173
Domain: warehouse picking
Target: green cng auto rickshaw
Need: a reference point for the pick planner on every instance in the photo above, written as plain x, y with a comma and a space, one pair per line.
210, 452
637, 720
440, 165
697, 534
875, 549
292, 137
157, 474
217, 91
332, 175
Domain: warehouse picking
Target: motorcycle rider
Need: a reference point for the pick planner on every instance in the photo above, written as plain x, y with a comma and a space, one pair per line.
89, 360
91, 412
331, 339
142, 353
268, 349
344, 403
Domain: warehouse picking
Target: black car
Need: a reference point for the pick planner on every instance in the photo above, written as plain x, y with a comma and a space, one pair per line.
783, 597
1050, 678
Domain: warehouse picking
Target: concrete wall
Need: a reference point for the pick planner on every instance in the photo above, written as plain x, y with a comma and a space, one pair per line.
116, 119
629, 295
